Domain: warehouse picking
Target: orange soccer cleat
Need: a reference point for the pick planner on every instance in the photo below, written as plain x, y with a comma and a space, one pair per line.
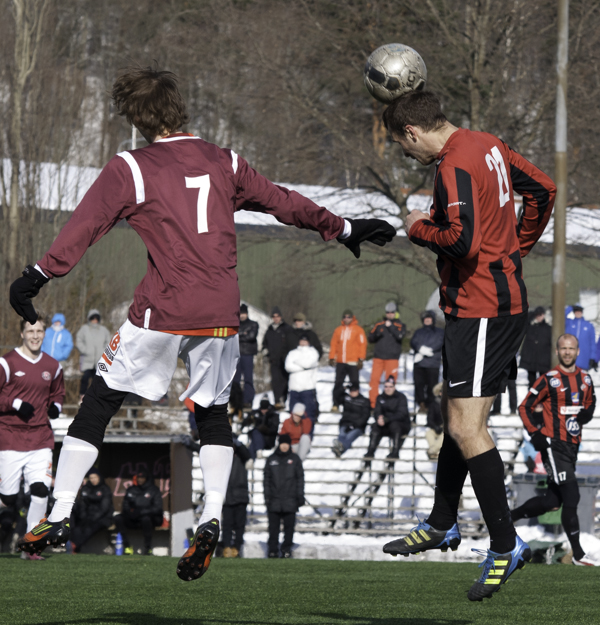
43, 534
196, 560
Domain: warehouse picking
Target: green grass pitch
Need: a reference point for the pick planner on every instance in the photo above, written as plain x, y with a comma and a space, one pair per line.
99, 590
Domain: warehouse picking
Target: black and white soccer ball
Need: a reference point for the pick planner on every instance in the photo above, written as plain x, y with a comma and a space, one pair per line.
394, 69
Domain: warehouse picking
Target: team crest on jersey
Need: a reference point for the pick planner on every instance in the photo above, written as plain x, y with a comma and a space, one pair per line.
111, 351
554, 382
573, 427
587, 380
551, 373
583, 387
46, 376
575, 398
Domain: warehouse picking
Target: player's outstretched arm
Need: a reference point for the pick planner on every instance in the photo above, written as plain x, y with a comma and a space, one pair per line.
257, 193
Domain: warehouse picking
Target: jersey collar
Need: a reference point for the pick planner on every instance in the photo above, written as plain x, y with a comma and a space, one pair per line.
33, 362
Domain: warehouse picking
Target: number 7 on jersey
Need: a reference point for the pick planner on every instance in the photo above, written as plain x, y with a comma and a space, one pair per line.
203, 184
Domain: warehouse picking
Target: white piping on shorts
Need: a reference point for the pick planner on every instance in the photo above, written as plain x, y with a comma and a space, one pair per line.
138, 179
552, 464
479, 358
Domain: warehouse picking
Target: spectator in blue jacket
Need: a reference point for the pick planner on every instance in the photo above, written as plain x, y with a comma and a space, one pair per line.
58, 341
586, 335
427, 344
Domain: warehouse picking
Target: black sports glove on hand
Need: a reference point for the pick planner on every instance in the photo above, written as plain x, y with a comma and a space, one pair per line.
539, 442
593, 364
53, 411
23, 289
376, 231
25, 411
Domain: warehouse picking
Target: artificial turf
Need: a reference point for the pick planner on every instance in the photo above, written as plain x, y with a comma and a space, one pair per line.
138, 590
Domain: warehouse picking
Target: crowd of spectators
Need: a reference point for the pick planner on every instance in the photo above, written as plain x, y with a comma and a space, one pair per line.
294, 354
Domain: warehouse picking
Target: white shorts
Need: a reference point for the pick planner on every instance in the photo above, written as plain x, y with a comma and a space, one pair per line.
143, 361
35, 465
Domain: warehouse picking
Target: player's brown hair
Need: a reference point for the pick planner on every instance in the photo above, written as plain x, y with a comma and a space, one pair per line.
149, 99
41, 318
417, 108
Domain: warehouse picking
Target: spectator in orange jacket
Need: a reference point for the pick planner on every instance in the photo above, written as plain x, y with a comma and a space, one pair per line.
299, 427
347, 351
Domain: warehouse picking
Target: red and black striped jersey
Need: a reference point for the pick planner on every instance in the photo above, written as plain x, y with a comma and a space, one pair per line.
473, 227
568, 401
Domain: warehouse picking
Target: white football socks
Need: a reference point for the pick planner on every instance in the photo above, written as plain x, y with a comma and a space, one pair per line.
37, 511
76, 458
215, 462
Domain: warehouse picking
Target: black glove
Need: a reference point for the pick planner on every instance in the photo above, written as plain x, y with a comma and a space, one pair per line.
376, 231
359, 364
23, 289
539, 442
593, 364
25, 411
53, 411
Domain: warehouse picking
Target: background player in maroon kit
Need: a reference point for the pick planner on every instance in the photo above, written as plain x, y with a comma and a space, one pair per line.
180, 194
473, 229
567, 399
31, 390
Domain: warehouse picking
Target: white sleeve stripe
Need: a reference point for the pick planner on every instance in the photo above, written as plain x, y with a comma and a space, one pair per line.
5, 367
58, 370
138, 180
39, 269
234, 161
534, 391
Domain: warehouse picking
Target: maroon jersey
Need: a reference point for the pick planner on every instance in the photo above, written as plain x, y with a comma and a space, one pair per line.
180, 194
568, 401
38, 382
473, 227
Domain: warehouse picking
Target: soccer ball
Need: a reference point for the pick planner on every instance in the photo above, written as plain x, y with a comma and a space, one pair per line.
392, 70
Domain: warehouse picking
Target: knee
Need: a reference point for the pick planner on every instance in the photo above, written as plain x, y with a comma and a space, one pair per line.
39, 489
8, 500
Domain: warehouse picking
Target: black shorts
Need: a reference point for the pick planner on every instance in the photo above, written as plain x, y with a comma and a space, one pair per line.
479, 354
559, 461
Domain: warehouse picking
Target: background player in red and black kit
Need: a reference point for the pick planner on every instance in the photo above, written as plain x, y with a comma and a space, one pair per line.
557, 406
179, 193
473, 229
31, 390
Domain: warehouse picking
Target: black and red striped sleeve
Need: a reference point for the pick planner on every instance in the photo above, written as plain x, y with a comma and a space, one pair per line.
458, 235
538, 193
537, 393
589, 405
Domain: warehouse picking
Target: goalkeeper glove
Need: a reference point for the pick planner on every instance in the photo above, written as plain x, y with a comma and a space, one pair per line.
23, 289
376, 231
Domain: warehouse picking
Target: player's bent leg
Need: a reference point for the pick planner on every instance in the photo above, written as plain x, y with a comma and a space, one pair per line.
497, 568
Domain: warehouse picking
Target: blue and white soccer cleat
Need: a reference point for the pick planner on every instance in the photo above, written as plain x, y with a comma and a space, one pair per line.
497, 568
424, 537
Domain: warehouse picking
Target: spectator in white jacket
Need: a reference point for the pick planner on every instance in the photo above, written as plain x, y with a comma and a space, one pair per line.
302, 364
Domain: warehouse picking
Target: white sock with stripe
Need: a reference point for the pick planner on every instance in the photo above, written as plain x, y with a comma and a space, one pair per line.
215, 461
76, 458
